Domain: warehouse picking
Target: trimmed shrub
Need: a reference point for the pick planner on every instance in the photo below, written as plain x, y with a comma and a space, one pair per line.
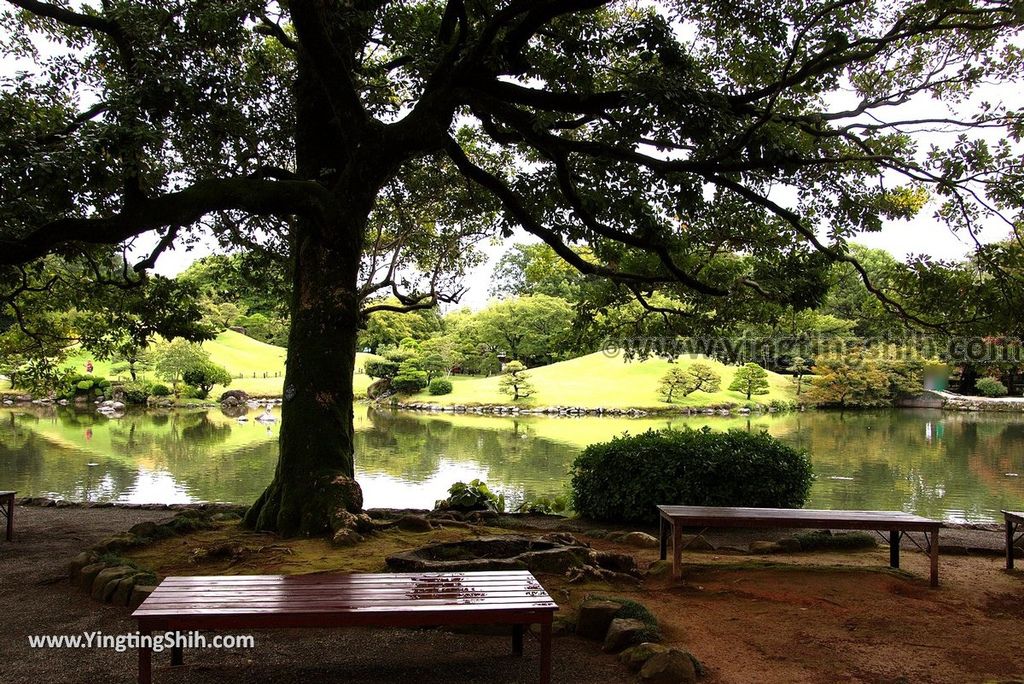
440, 386
381, 368
990, 387
161, 390
625, 479
84, 385
135, 392
409, 380
472, 496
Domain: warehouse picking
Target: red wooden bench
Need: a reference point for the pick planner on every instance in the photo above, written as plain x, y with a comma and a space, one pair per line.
897, 523
359, 600
7, 508
1014, 522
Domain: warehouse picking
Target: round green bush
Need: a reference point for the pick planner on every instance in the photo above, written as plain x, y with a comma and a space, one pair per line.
381, 368
624, 480
84, 385
409, 382
135, 392
990, 387
161, 390
440, 386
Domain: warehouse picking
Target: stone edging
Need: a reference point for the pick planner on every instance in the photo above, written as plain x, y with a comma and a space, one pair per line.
505, 409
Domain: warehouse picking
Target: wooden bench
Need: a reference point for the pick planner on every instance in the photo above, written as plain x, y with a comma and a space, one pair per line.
1014, 521
897, 523
359, 600
7, 508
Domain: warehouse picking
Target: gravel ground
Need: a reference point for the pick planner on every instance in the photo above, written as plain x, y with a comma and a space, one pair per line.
35, 598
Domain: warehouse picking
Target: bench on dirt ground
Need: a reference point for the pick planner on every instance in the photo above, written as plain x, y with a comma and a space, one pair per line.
674, 518
1014, 521
357, 600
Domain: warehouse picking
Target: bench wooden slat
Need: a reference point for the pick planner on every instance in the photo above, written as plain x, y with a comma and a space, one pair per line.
389, 600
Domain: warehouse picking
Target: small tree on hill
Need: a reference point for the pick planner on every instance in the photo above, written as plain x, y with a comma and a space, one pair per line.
174, 359
699, 377
515, 381
799, 367
750, 379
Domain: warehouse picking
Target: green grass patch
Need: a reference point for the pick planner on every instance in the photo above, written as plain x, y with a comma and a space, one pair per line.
597, 380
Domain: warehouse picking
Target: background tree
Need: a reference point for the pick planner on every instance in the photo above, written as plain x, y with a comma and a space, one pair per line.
174, 359
697, 377
532, 269
799, 367
663, 137
750, 379
515, 381
203, 376
535, 328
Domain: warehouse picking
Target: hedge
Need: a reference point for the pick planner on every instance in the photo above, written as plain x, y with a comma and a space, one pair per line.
624, 480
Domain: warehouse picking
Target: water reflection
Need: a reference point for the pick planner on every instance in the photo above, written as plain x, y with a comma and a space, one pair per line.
957, 466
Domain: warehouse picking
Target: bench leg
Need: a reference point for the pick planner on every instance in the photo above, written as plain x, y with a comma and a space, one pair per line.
894, 548
934, 549
145, 660
517, 640
177, 657
545, 652
663, 538
1009, 544
677, 551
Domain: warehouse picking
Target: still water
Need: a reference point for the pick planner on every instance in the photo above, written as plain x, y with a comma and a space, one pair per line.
951, 465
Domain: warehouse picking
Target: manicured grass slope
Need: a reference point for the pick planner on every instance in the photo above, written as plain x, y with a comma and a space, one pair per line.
598, 380
244, 356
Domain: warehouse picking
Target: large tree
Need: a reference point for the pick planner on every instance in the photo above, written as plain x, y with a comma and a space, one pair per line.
371, 140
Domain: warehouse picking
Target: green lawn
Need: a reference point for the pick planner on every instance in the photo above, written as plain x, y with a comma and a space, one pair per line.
597, 380
242, 356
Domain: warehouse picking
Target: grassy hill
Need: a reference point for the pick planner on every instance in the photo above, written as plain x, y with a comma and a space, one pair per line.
242, 356
598, 380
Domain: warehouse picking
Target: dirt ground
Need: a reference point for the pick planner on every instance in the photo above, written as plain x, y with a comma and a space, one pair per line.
806, 617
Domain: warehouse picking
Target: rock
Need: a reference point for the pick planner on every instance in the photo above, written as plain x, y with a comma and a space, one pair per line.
144, 529
764, 547
616, 562
634, 657
594, 617
117, 405
139, 594
346, 537
413, 523
659, 568
694, 542
615, 536
88, 574
99, 590
77, 563
789, 545
640, 539
122, 591
623, 632
558, 627
671, 667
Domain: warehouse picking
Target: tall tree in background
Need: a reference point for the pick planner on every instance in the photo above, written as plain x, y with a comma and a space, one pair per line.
369, 142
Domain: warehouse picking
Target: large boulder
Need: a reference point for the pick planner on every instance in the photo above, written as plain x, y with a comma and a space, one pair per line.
100, 590
672, 667
594, 617
88, 573
80, 561
640, 539
622, 633
413, 523
140, 593
616, 562
234, 397
634, 657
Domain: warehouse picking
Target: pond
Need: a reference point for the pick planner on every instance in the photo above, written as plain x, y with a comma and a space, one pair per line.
957, 466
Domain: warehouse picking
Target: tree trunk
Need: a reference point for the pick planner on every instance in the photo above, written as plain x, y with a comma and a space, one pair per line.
314, 483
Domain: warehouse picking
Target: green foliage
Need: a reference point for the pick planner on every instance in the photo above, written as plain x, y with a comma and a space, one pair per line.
173, 359
516, 381
990, 387
84, 386
440, 386
546, 505
864, 378
381, 368
135, 392
750, 379
536, 328
697, 377
204, 375
472, 496
625, 479
409, 379
161, 390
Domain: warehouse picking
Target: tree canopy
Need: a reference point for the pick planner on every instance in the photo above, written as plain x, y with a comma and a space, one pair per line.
719, 155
